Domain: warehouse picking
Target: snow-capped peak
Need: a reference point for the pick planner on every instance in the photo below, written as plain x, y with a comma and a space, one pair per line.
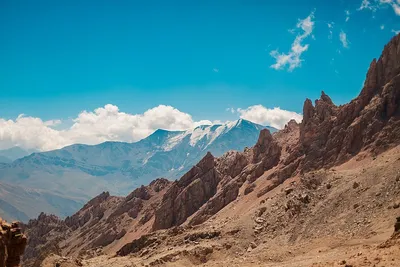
204, 135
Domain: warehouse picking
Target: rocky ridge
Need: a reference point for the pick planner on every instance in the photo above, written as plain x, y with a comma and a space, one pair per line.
100, 226
331, 135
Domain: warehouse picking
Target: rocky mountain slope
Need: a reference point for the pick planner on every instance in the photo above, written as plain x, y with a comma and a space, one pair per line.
79, 172
325, 192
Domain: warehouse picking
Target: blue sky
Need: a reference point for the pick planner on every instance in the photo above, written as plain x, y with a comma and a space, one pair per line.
58, 58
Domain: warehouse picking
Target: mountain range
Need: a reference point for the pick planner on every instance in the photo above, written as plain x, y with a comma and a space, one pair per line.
63, 180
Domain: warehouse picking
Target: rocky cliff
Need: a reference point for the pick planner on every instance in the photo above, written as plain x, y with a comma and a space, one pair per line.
330, 134
214, 183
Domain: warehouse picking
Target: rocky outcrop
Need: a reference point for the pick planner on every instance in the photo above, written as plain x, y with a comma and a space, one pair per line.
188, 194
214, 183
12, 244
232, 163
266, 151
99, 225
44, 236
330, 135
397, 225
225, 196
137, 245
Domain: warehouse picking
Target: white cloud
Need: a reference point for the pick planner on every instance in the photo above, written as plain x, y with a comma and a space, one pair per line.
215, 70
382, 27
347, 12
365, 4
377, 4
330, 27
274, 117
396, 9
108, 123
103, 124
396, 31
231, 110
343, 39
292, 58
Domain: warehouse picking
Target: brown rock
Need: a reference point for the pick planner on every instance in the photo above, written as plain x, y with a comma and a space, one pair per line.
137, 245
227, 194
249, 189
288, 190
330, 135
266, 189
397, 225
188, 194
355, 185
12, 244
266, 150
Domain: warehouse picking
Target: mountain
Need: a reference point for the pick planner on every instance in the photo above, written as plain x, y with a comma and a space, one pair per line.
11, 154
22, 203
325, 192
83, 171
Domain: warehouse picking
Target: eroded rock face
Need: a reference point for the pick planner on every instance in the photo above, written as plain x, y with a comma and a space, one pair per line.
266, 150
188, 194
225, 196
12, 244
330, 135
232, 163
214, 183
101, 223
44, 235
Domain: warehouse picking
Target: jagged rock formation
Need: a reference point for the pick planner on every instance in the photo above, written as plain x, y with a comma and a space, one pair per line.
45, 234
101, 225
330, 135
214, 183
188, 194
12, 244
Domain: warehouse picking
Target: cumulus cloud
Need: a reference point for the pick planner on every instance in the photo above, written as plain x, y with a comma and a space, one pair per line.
29, 132
274, 117
292, 59
343, 39
107, 123
396, 31
382, 27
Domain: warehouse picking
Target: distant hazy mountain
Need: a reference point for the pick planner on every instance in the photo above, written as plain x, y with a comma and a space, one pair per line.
11, 154
83, 171
21, 203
